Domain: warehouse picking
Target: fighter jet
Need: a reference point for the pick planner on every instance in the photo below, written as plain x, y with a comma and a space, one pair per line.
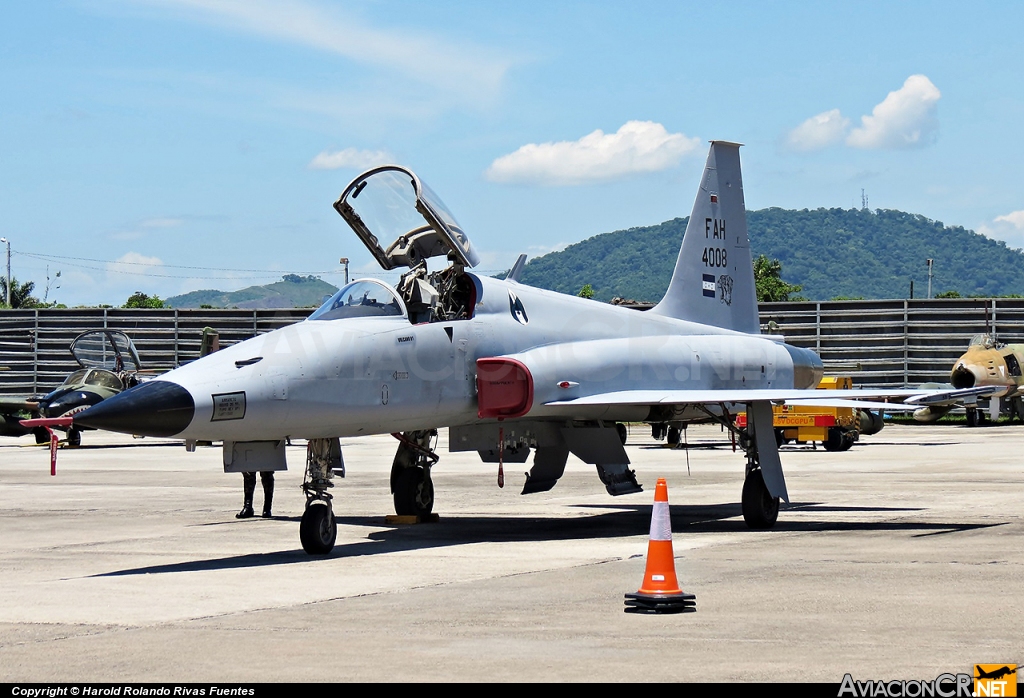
990, 363
109, 364
509, 369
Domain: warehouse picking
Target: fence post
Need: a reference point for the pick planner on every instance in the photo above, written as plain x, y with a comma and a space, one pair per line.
817, 329
906, 341
35, 357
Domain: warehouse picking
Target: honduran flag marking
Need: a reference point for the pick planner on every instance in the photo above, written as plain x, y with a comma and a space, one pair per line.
709, 285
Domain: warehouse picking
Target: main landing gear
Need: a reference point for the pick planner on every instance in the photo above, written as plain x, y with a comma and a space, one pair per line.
760, 508
318, 529
411, 485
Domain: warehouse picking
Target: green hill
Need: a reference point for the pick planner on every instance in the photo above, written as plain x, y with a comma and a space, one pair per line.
292, 291
830, 252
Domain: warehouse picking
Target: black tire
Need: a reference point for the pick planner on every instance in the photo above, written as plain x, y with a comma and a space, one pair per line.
780, 437
74, 437
318, 529
42, 436
834, 440
623, 432
413, 491
972, 417
658, 431
849, 437
760, 508
673, 436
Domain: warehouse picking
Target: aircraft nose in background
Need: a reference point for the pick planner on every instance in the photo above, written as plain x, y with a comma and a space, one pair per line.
155, 408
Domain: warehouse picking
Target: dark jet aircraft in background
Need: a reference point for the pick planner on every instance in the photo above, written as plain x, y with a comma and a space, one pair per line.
109, 364
507, 368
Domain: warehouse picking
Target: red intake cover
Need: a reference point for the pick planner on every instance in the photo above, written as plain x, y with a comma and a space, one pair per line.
504, 388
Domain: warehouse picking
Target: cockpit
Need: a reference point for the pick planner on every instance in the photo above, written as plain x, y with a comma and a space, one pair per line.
391, 203
361, 298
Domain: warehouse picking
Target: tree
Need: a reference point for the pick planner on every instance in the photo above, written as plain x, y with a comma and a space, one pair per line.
21, 294
949, 294
586, 292
768, 281
141, 300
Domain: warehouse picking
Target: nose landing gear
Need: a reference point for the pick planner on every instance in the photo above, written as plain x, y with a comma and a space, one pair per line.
318, 529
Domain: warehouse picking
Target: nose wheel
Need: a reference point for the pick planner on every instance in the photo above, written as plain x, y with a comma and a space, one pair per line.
318, 529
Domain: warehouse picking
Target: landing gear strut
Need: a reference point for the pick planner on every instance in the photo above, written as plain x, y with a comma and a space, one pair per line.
318, 529
760, 508
411, 485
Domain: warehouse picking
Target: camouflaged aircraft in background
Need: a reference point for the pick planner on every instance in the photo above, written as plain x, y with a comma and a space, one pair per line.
109, 364
986, 363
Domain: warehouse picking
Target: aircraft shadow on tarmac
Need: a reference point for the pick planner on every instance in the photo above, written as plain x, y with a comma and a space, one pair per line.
625, 520
727, 445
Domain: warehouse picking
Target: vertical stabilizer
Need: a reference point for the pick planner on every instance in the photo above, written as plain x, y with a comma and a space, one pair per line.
713, 282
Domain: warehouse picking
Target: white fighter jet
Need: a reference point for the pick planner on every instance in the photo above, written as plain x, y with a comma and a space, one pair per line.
507, 368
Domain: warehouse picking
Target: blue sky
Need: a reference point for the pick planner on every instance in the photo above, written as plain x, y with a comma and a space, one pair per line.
171, 145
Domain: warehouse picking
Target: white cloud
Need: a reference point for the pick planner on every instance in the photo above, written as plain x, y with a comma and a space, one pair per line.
818, 132
134, 262
350, 157
474, 72
904, 119
638, 146
1015, 218
161, 222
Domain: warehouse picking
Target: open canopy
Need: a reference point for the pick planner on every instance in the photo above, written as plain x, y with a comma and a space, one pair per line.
390, 206
107, 349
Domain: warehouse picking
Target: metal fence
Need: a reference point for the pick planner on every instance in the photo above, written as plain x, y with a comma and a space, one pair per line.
895, 343
34, 344
884, 343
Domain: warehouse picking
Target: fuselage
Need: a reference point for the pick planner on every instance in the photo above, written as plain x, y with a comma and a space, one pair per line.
988, 364
354, 376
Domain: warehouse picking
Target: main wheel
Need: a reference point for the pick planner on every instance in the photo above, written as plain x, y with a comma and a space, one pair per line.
414, 491
673, 436
623, 432
760, 508
74, 437
972, 417
318, 529
41, 435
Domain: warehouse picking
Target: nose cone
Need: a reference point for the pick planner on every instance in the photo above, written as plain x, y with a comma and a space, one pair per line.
68, 402
154, 408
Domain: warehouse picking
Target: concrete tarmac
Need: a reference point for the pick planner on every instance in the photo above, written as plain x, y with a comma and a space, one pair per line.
899, 559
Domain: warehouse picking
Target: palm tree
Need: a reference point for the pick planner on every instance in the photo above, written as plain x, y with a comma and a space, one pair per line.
21, 294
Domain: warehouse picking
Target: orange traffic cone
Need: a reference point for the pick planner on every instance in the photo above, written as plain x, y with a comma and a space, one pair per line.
660, 592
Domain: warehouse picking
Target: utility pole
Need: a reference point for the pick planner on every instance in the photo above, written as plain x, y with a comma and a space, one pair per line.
5, 240
930, 277
344, 261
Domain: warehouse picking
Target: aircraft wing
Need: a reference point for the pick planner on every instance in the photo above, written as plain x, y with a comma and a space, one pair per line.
12, 405
867, 398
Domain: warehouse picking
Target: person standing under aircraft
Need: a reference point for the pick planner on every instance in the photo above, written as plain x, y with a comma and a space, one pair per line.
249, 489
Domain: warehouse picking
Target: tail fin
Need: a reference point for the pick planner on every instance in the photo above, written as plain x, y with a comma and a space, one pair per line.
713, 282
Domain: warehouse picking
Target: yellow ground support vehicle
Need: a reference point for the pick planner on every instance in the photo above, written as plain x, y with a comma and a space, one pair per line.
837, 428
